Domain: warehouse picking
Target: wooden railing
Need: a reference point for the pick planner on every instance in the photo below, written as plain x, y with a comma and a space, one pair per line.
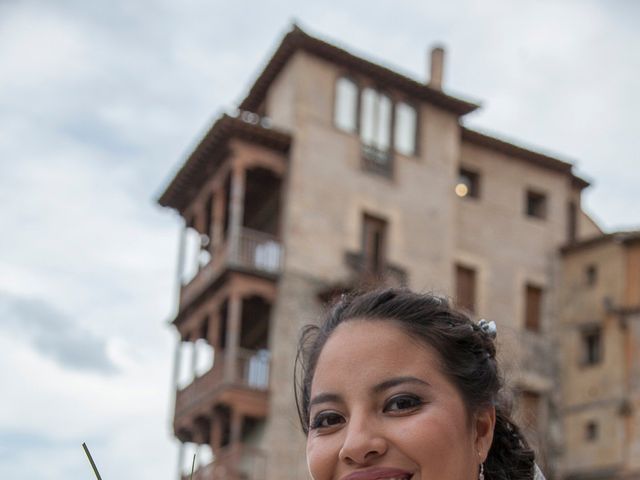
251, 370
253, 250
257, 251
235, 462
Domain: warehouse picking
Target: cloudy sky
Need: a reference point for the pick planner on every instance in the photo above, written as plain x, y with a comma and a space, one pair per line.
100, 102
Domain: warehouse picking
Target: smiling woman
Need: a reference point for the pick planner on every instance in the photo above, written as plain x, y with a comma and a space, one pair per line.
397, 385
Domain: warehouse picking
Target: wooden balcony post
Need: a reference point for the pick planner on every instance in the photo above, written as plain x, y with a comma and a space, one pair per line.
194, 357
213, 330
217, 229
236, 210
180, 459
181, 258
233, 337
176, 362
215, 432
236, 428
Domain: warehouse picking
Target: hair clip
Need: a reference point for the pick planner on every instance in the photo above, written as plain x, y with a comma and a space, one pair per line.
488, 327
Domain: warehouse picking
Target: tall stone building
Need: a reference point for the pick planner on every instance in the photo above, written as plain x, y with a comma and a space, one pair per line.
337, 172
600, 322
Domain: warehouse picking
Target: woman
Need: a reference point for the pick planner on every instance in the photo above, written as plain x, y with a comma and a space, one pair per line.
397, 385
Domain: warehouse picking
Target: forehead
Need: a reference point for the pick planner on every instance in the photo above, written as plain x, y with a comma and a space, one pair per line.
364, 351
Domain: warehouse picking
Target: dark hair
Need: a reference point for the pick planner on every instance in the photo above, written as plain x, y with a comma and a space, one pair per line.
467, 354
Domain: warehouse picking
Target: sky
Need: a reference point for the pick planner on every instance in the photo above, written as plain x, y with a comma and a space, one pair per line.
100, 102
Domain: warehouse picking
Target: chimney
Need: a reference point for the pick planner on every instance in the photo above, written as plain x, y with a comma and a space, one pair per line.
437, 67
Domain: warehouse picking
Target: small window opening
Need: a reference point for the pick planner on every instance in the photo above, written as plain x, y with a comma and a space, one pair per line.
536, 205
592, 346
591, 275
591, 431
468, 185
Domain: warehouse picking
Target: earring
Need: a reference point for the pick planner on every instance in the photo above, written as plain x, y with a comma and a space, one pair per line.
481, 475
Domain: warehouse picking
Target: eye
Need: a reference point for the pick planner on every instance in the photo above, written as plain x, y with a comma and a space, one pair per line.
326, 420
403, 403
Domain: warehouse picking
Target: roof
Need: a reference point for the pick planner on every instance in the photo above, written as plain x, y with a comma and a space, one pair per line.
622, 237
531, 156
213, 149
298, 40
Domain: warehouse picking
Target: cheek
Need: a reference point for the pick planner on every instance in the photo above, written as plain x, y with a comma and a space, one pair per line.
322, 457
440, 444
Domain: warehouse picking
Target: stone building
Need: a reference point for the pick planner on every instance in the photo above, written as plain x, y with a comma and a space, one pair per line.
600, 324
336, 172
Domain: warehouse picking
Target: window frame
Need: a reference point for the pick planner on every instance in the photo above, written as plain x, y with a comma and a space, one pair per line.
591, 354
374, 264
394, 98
467, 269
528, 325
535, 194
475, 187
352, 79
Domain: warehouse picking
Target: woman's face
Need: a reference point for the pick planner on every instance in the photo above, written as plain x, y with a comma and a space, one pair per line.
380, 408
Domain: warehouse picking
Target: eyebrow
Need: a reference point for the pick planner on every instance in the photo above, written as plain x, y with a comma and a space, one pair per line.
392, 382
380, 387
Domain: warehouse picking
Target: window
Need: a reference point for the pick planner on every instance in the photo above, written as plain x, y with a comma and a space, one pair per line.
533, 308
536, 205
591, 346
591, 431
384, 126
468, 184
404, 134
591, 275
466, 287
373, 244
375, 120
346, 105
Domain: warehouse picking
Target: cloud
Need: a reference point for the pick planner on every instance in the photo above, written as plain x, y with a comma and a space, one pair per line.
54, 334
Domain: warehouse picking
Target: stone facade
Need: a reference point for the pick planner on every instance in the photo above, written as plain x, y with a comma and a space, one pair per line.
600, 344
281, 194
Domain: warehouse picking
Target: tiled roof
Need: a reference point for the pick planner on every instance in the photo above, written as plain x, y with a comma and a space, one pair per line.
297, 40
623, 237
213, 149
531, 156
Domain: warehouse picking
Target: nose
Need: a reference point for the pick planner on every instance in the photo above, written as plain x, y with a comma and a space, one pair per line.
364, 441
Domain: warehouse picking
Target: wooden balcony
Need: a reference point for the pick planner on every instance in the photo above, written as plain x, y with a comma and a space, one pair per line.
253, 251
235, 462
243, 385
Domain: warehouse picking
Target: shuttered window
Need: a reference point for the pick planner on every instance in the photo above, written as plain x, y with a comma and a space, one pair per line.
466, 287
533, 308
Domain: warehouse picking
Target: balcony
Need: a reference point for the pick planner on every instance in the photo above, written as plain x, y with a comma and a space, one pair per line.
243, 381
235, 462
377, 161
253, 251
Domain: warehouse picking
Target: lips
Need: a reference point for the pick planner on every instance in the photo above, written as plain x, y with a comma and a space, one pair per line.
379, 474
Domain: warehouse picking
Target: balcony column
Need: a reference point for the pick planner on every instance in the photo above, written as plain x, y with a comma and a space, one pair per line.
233, 337
181, 450
194, 356
177, 356
181, 258
236, 211
215, 432
236, 428
217, 227
213, 330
